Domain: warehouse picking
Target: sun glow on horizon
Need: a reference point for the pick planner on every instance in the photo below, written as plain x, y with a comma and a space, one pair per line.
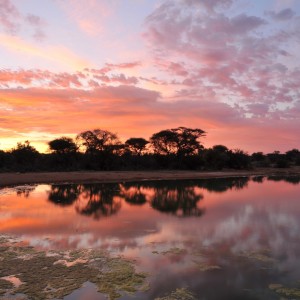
222, 66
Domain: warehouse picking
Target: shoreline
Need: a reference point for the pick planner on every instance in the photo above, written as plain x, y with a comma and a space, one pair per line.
12, 179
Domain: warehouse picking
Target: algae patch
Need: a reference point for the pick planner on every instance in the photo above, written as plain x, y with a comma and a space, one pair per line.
289, 292
263, 256
57, 274
5, 286
179, 294
206, 266
174, 251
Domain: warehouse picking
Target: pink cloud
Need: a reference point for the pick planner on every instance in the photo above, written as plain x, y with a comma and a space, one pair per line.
127, 65
9, 16
237, 57
133, 111
12, 20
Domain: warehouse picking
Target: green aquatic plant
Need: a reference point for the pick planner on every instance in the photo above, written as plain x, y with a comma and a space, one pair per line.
179, 294
262, 258
57, 274
174, 251
5, 286
289, 292
204, 266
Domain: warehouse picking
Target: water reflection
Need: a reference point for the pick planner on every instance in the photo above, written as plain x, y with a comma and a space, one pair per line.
64, 195
222, 185
289, 179
99, 200
94, 200
133, 193
178, 198
247, 239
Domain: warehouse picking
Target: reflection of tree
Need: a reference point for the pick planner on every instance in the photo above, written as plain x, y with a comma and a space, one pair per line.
98, 200
179, 198
258, 179
95, 200
64, 195
174, 197
221, 185
289, 179
25, 191
133, 193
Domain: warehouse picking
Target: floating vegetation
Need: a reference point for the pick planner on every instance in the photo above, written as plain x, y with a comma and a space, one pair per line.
57, 274
5, 286
179, 294
289, 292
263, 256
206, 266
173, 251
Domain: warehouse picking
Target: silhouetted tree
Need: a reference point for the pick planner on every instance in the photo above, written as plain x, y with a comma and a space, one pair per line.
136, 145
3, 159
217, 157
164, 142
25, 156
63, 145
258, 156
179, 141
293, 156
238, 159
220, 148
99, 140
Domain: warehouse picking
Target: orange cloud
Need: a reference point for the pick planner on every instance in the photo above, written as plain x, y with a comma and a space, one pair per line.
130, 111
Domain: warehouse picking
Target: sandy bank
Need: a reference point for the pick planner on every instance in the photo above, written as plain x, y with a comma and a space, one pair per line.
7, 179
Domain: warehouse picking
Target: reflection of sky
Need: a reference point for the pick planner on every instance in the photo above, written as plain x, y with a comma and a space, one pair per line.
257, 214
257, 217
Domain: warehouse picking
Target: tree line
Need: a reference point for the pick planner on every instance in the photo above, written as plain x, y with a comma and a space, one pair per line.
176, 148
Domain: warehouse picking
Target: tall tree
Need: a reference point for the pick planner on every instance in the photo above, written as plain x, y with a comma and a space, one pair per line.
180, 141
136, 145
63, 145
99, 140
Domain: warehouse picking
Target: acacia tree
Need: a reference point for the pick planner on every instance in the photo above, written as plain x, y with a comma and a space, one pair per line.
99, 140
181, 141
63, 145
136, 145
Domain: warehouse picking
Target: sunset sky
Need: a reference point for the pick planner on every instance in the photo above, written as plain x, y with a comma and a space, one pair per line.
135, 67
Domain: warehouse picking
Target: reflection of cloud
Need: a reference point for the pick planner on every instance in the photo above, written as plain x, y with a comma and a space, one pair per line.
254, 229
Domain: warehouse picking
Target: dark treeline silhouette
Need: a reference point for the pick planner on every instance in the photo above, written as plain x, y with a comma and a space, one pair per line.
177, 148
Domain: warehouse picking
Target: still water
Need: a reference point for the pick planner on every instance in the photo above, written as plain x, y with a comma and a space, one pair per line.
234, 238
